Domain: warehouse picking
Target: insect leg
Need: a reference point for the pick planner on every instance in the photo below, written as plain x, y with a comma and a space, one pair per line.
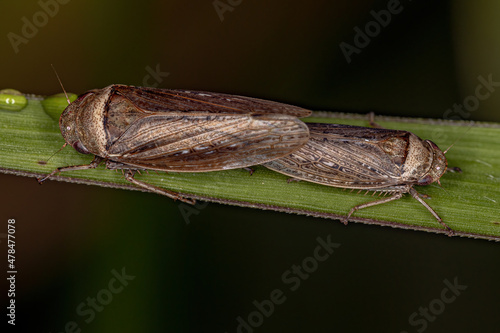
453, 169
250, 170
414, 194
395, 196
373, 124
95, 162
129, 175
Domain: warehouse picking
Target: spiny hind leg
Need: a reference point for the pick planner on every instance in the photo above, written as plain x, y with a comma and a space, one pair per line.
94, 164
395, 196
416, 195
129, 175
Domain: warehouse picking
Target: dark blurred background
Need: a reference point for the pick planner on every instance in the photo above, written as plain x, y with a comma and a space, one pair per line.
214, 270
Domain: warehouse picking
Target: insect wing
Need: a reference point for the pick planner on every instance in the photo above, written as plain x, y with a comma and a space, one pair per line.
187, 101
158, 133
347, 156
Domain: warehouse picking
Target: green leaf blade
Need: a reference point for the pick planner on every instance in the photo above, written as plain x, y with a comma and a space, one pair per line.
468, 202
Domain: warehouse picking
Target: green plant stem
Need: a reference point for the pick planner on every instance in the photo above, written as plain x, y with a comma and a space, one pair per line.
467, 202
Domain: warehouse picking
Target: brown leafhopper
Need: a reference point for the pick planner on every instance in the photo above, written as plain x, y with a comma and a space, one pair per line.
135, 128
373, 159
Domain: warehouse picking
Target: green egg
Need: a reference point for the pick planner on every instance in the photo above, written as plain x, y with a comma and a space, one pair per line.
12, 100
54, 105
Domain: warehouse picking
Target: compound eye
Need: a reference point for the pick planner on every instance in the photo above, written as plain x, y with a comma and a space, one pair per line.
80, 148
425, 181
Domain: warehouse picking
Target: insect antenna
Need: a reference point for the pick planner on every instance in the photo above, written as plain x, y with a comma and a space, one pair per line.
60, 82
64, 145
438, 186
69, 102
460, 137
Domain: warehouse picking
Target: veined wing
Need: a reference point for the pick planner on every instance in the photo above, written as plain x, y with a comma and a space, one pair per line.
347, 156
188, 101
197, 143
